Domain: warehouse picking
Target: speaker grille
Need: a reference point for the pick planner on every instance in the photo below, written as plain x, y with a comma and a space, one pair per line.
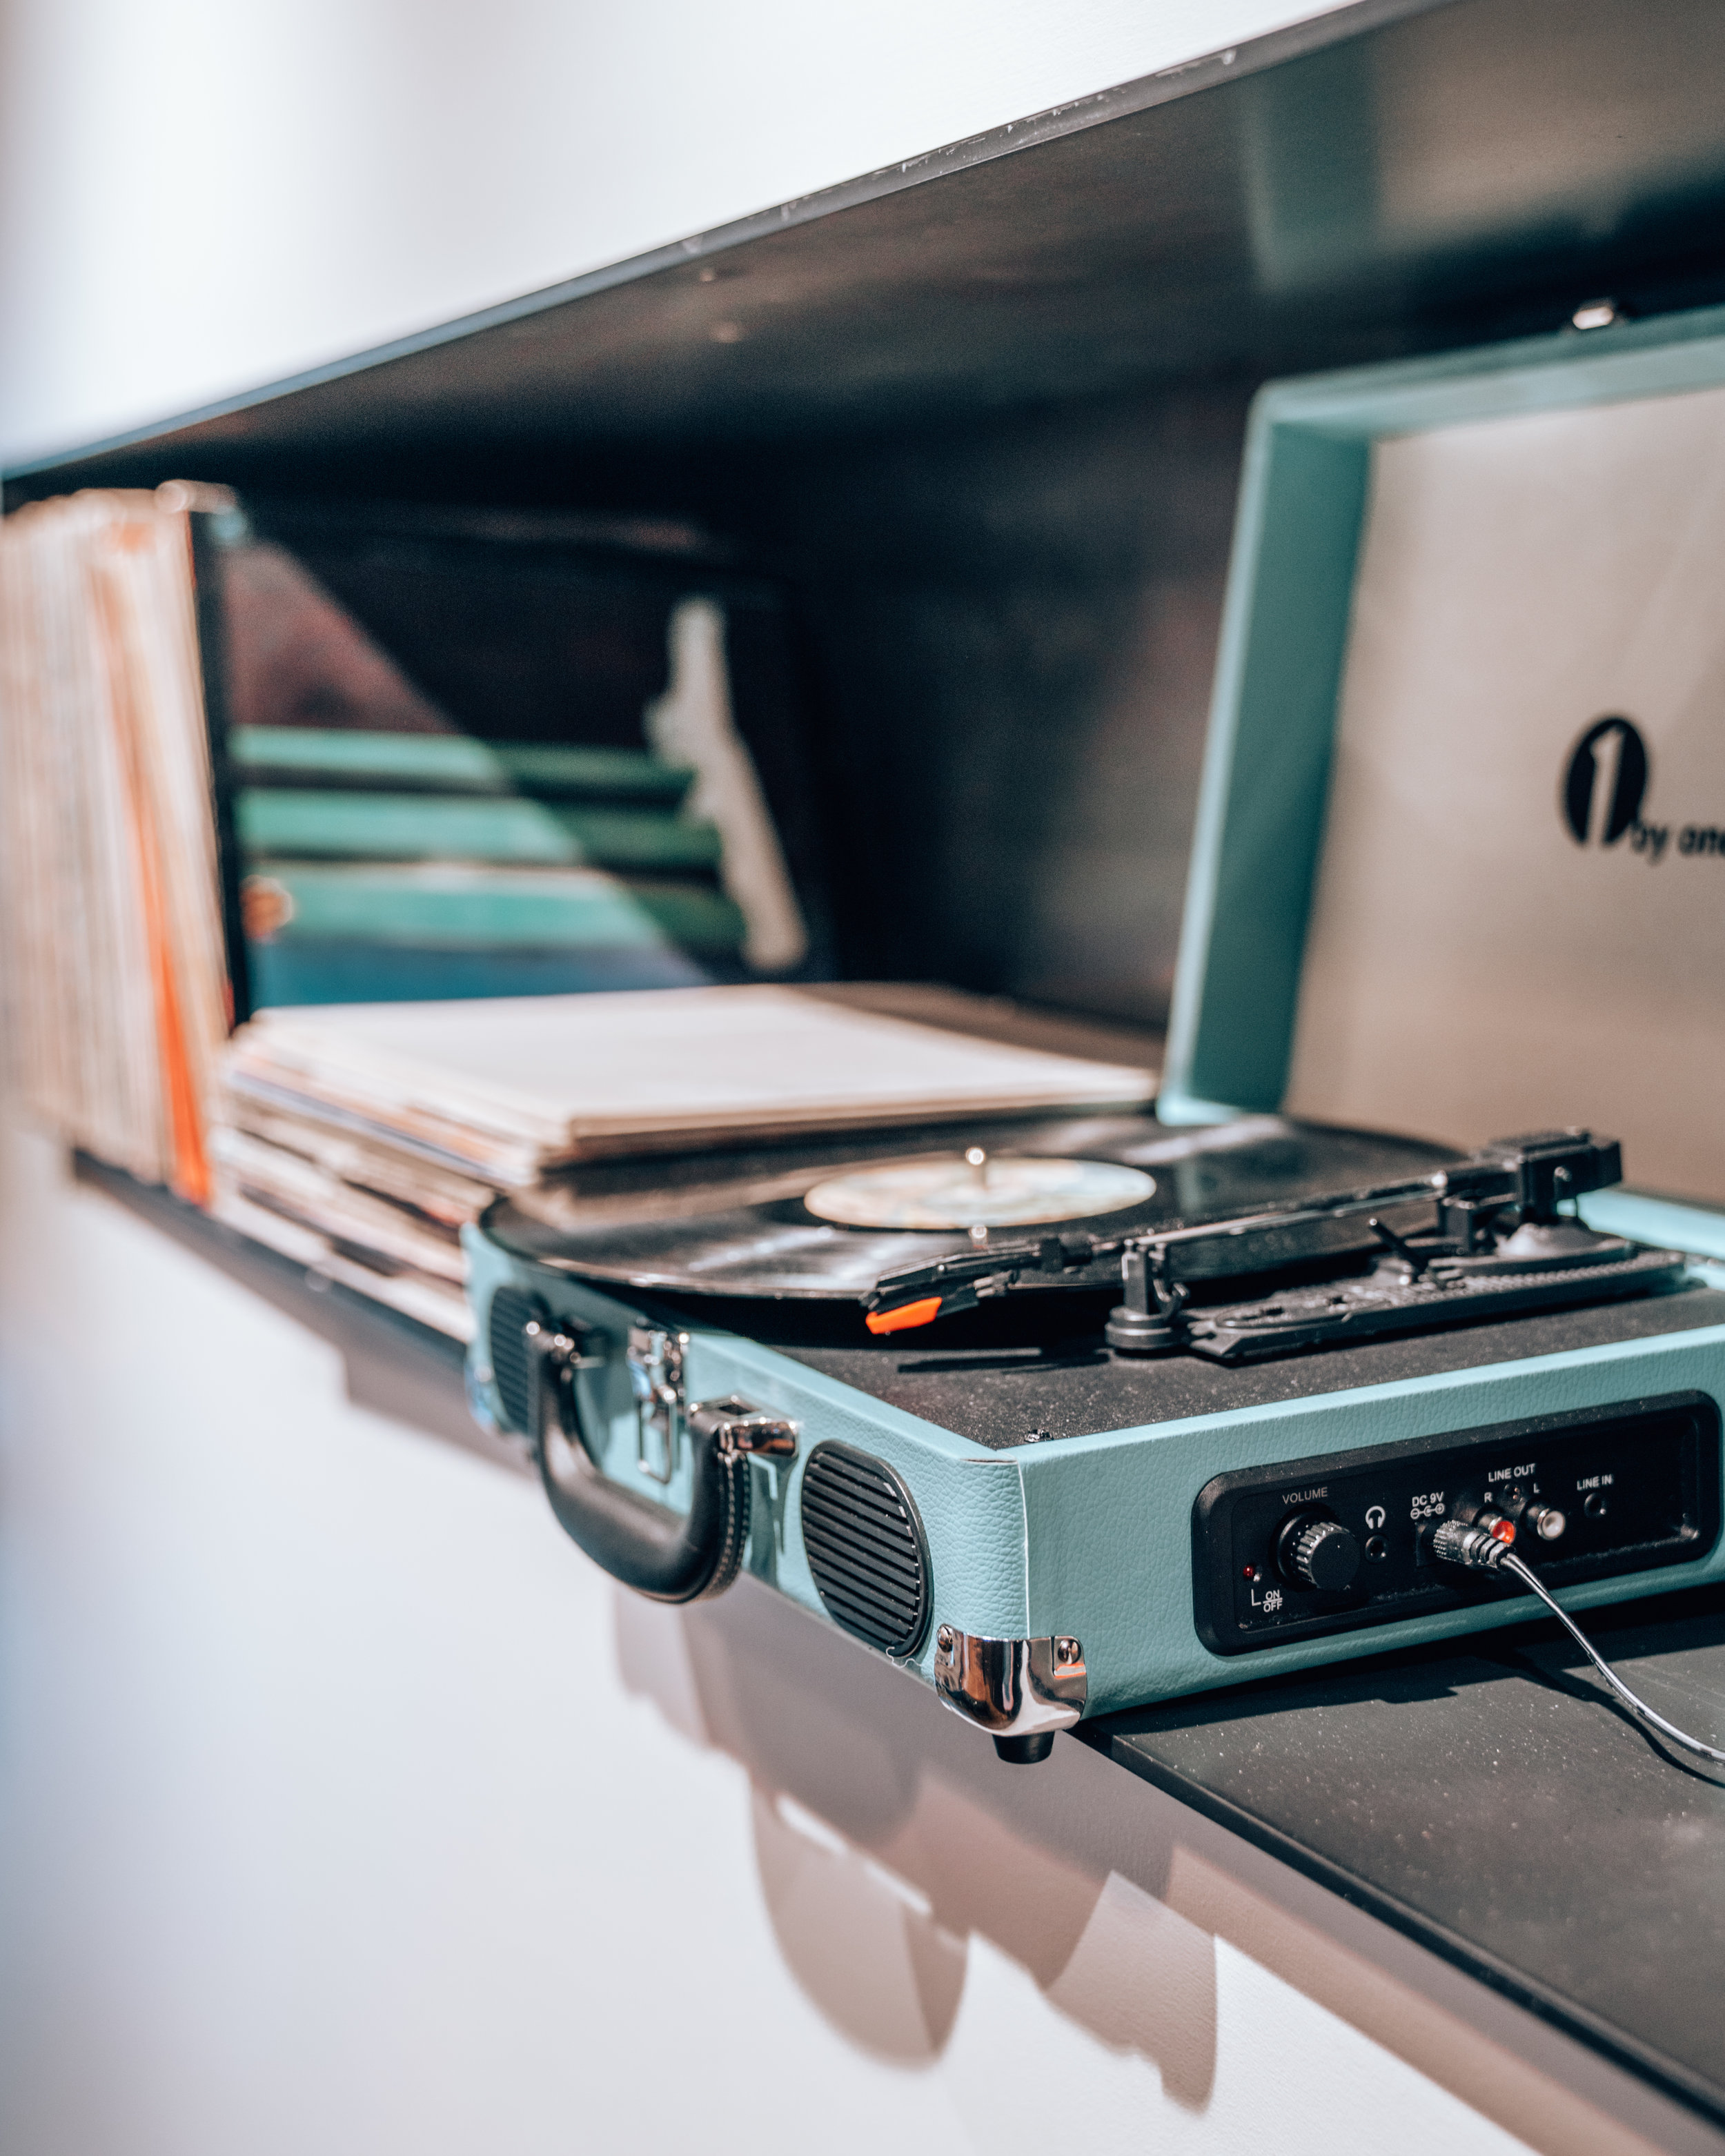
511, 1364
865, 1548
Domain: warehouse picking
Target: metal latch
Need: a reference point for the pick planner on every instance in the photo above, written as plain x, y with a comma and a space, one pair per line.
663, 1415
741, 1429
655, 1358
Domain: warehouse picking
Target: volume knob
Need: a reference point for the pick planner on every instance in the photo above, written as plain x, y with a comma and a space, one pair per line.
1321, 1554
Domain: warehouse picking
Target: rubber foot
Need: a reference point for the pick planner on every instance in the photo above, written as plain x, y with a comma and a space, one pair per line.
1025, 1751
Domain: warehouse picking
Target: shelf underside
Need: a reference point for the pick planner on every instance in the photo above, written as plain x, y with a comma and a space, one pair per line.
1391, 178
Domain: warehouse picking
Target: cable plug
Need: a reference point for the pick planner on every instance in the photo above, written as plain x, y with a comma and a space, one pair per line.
1475, 1548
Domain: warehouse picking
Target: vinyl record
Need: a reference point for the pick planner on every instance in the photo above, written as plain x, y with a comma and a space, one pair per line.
737, 1224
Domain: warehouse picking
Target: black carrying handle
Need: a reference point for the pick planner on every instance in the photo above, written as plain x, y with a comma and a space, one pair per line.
665, 1555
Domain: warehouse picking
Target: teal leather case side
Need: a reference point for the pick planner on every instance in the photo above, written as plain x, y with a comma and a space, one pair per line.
971, 1501
1092, 1536
1110, 1539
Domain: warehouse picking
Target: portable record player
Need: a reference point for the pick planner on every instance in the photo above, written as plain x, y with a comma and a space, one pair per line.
1066, 1416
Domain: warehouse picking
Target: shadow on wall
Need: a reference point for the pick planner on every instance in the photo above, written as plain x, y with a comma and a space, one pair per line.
887, 1833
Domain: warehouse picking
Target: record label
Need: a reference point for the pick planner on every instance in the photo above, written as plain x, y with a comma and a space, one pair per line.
973, 1189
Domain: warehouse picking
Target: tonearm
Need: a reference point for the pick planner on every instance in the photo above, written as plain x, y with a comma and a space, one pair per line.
1493, 1233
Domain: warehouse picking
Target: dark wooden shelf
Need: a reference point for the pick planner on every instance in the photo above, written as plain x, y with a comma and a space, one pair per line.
984, 415
1394, 175
1490, 1800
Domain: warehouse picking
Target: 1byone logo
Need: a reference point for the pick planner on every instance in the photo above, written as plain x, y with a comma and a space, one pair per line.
1604, 782
1604, 787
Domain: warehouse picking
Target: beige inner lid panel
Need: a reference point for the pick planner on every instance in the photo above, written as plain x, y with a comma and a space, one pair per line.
1472, 968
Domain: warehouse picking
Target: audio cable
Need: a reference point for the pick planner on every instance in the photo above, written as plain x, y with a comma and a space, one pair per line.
1477, 1549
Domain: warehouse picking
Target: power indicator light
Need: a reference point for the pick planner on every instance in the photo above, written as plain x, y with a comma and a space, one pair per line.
1250, 1572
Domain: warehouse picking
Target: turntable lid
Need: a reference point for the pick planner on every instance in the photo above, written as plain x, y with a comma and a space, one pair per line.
1461, 860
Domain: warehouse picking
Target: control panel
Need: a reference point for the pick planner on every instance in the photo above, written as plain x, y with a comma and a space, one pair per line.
1330, 1544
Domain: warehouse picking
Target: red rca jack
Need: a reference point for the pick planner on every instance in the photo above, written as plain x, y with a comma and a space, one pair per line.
1545, 1521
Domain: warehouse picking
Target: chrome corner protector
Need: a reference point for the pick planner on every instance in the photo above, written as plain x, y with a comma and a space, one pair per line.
1011, 1687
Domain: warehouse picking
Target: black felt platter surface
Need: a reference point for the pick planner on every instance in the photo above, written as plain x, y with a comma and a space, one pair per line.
1003, 1393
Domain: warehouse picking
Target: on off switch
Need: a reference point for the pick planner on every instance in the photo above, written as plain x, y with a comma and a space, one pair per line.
1316, 1552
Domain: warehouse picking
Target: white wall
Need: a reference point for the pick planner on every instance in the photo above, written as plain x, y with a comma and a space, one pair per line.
198, 197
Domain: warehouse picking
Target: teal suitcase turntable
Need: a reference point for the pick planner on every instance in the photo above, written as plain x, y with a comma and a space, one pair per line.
1072, 1416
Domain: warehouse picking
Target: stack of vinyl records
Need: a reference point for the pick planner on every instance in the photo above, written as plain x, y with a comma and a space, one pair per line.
221, 787
377, 1217
220, 790
361, 1138
115, 981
